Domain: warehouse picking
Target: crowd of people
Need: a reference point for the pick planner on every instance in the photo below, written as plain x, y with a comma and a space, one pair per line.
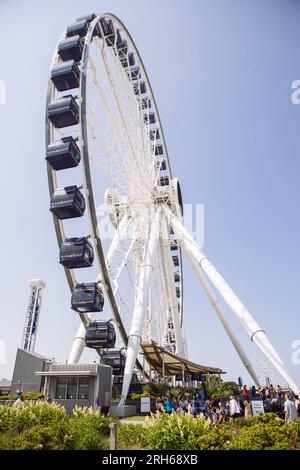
219, 410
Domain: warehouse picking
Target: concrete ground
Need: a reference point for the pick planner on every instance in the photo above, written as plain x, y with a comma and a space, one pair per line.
133, 420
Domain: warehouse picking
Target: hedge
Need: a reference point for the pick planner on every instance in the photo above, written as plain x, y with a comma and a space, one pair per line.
43, 426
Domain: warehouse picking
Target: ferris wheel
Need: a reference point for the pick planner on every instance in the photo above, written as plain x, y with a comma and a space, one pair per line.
107, 160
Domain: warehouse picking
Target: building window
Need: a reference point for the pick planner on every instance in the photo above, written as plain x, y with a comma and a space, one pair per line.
61, 388
72, 388
83, 389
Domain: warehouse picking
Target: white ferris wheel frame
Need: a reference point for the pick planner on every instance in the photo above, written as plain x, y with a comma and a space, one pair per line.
161, 211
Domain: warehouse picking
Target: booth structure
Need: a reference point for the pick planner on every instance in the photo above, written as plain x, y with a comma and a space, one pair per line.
24, 378
79, 384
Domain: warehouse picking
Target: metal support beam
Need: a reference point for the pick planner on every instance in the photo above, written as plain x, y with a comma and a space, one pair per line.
255, 332
141, 304
221, 315
168, 268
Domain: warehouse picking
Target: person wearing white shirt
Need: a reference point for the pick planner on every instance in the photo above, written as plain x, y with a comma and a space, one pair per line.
290, 410
234, 408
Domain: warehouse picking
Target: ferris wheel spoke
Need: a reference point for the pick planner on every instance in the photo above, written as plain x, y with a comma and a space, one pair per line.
118, 134
107, 149
99, 157
120, 172
132, 153
135, 107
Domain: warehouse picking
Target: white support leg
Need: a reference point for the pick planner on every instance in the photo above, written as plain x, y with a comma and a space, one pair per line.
170, 287
140, 306
256, 333
221, 315
77, 345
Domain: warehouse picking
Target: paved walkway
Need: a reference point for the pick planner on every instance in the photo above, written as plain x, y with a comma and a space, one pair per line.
132, 421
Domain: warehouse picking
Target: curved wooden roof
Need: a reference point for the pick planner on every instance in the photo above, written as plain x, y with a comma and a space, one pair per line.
159, 359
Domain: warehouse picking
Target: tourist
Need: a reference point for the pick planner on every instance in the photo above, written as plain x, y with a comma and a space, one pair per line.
20, 400
180, 410
222, 412
290, 410
206, 408
235, 409
253, 391
169, 405
190, 409
297, 404
214, 416
244, 391
274, 406
49, 399
247, 408
159, 404
186, 402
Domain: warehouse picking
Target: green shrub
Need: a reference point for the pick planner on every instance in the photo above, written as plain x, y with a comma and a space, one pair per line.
28, 396
174, 432
32, 426
132, 437
6, 441
41, 426
264, 437
87, 430
264, 432
32, 414
156, 389
138, 396
38, 438
215, 438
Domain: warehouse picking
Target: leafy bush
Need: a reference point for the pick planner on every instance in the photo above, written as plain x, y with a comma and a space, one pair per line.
86, 430
34, 426
229, 388
28, 396
31, 414
33, 396
264, 432
43, 426
132, 437
38, 438
174, 432
156, 389
137, 396
164, 432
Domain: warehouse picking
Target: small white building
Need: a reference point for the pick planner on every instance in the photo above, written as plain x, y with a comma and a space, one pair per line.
5, 386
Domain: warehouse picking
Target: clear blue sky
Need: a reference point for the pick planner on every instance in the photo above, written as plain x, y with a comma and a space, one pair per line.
222, 74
